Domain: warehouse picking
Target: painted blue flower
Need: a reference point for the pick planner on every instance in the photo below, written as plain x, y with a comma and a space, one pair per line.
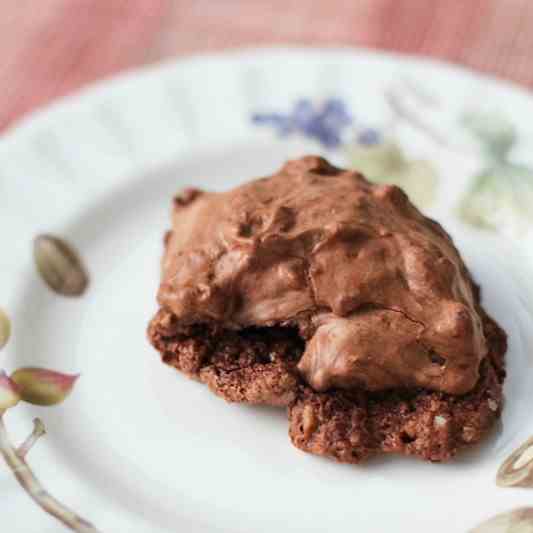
324, 122
369, 137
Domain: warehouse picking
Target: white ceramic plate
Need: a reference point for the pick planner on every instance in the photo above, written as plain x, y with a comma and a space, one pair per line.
138, 448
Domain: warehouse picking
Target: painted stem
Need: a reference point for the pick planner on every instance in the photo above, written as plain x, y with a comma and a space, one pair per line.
415, 119
38, 432
403, 112
32, 485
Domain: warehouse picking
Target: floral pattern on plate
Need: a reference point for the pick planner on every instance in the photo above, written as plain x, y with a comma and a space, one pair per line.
372, 151
499, 196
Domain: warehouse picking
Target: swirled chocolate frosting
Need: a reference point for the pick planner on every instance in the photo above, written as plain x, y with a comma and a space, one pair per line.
377, 290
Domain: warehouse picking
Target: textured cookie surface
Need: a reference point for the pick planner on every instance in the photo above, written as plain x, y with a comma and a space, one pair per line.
259, 367
349, 426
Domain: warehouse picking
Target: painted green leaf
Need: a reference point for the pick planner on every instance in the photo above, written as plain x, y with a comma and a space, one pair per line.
5, 328
496, 134
60, 266
385, 163
517, 521
500, 198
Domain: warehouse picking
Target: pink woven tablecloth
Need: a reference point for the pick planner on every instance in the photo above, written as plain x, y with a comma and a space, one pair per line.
51, 47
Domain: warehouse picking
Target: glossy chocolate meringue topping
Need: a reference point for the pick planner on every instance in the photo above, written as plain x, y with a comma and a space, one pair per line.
378, 291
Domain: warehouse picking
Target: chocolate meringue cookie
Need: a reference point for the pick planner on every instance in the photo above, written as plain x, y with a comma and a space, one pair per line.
380, 290
317, 290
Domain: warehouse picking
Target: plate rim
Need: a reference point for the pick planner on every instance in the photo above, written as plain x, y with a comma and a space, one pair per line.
86, 95
27, 122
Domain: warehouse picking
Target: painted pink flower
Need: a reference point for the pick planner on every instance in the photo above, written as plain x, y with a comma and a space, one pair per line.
9, 392
43, 387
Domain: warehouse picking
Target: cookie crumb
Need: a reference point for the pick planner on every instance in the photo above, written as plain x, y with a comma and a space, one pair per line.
440, 421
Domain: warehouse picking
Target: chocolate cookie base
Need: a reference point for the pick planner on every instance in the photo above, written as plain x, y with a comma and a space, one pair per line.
258, 366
